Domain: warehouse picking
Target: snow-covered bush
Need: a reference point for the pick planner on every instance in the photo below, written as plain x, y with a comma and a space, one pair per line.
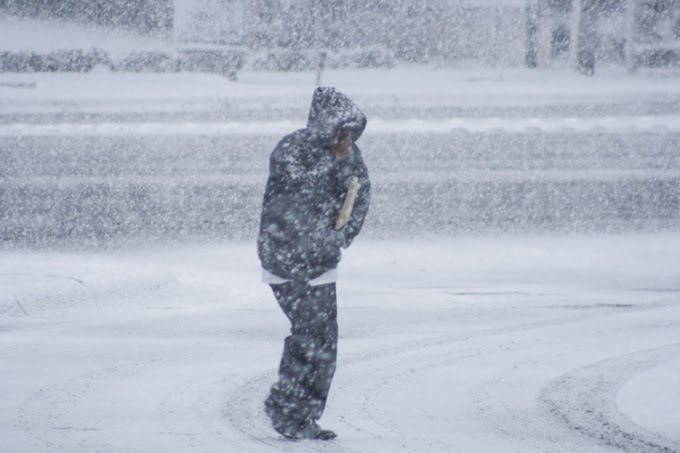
220, 60
17, 61
77, 60
148, 61
65, 60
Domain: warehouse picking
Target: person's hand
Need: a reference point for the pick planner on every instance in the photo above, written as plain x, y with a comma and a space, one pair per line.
337, 239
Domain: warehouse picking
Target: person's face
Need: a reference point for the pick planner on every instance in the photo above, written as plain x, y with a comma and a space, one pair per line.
342, 147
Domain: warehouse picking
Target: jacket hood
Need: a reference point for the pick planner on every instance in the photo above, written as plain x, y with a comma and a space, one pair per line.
332, 111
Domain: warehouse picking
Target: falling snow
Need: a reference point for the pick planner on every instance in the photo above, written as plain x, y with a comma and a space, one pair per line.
515, 283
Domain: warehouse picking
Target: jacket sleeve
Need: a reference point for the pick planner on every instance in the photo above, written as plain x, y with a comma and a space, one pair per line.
363, 201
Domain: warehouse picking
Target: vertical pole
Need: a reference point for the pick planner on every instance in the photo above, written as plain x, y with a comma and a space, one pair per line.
321, 65
531, 24
575, 35
629, 30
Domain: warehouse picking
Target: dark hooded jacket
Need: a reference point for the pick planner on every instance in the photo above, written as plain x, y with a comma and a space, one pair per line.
306, 189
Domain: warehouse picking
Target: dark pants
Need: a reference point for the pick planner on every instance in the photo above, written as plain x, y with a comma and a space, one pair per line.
309, 354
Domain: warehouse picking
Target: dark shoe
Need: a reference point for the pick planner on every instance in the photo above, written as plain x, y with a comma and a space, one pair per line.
311, 431
324, 434
314, 431
293, 429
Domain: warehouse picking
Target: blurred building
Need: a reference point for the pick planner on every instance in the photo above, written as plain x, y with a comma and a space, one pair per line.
480, 31
486, 32
588, 32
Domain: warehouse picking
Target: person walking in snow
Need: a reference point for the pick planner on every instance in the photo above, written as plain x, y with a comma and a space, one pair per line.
299, 242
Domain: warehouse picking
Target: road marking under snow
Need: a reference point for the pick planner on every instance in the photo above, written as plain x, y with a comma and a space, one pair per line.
618, 124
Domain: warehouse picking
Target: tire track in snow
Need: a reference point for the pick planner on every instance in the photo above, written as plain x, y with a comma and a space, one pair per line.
436, 353
585, 400
195, 401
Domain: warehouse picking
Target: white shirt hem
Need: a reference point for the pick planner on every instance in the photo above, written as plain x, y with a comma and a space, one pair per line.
327, 277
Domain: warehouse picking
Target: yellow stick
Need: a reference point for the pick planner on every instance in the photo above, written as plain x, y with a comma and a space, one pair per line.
348, 205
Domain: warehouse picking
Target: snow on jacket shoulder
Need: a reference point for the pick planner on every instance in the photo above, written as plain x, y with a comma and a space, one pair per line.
306, 188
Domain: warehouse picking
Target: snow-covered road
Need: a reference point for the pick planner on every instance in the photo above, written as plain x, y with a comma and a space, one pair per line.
484, 344
622, 125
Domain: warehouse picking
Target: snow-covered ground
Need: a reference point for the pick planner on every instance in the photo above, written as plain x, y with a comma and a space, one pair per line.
486, 344
407, 87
